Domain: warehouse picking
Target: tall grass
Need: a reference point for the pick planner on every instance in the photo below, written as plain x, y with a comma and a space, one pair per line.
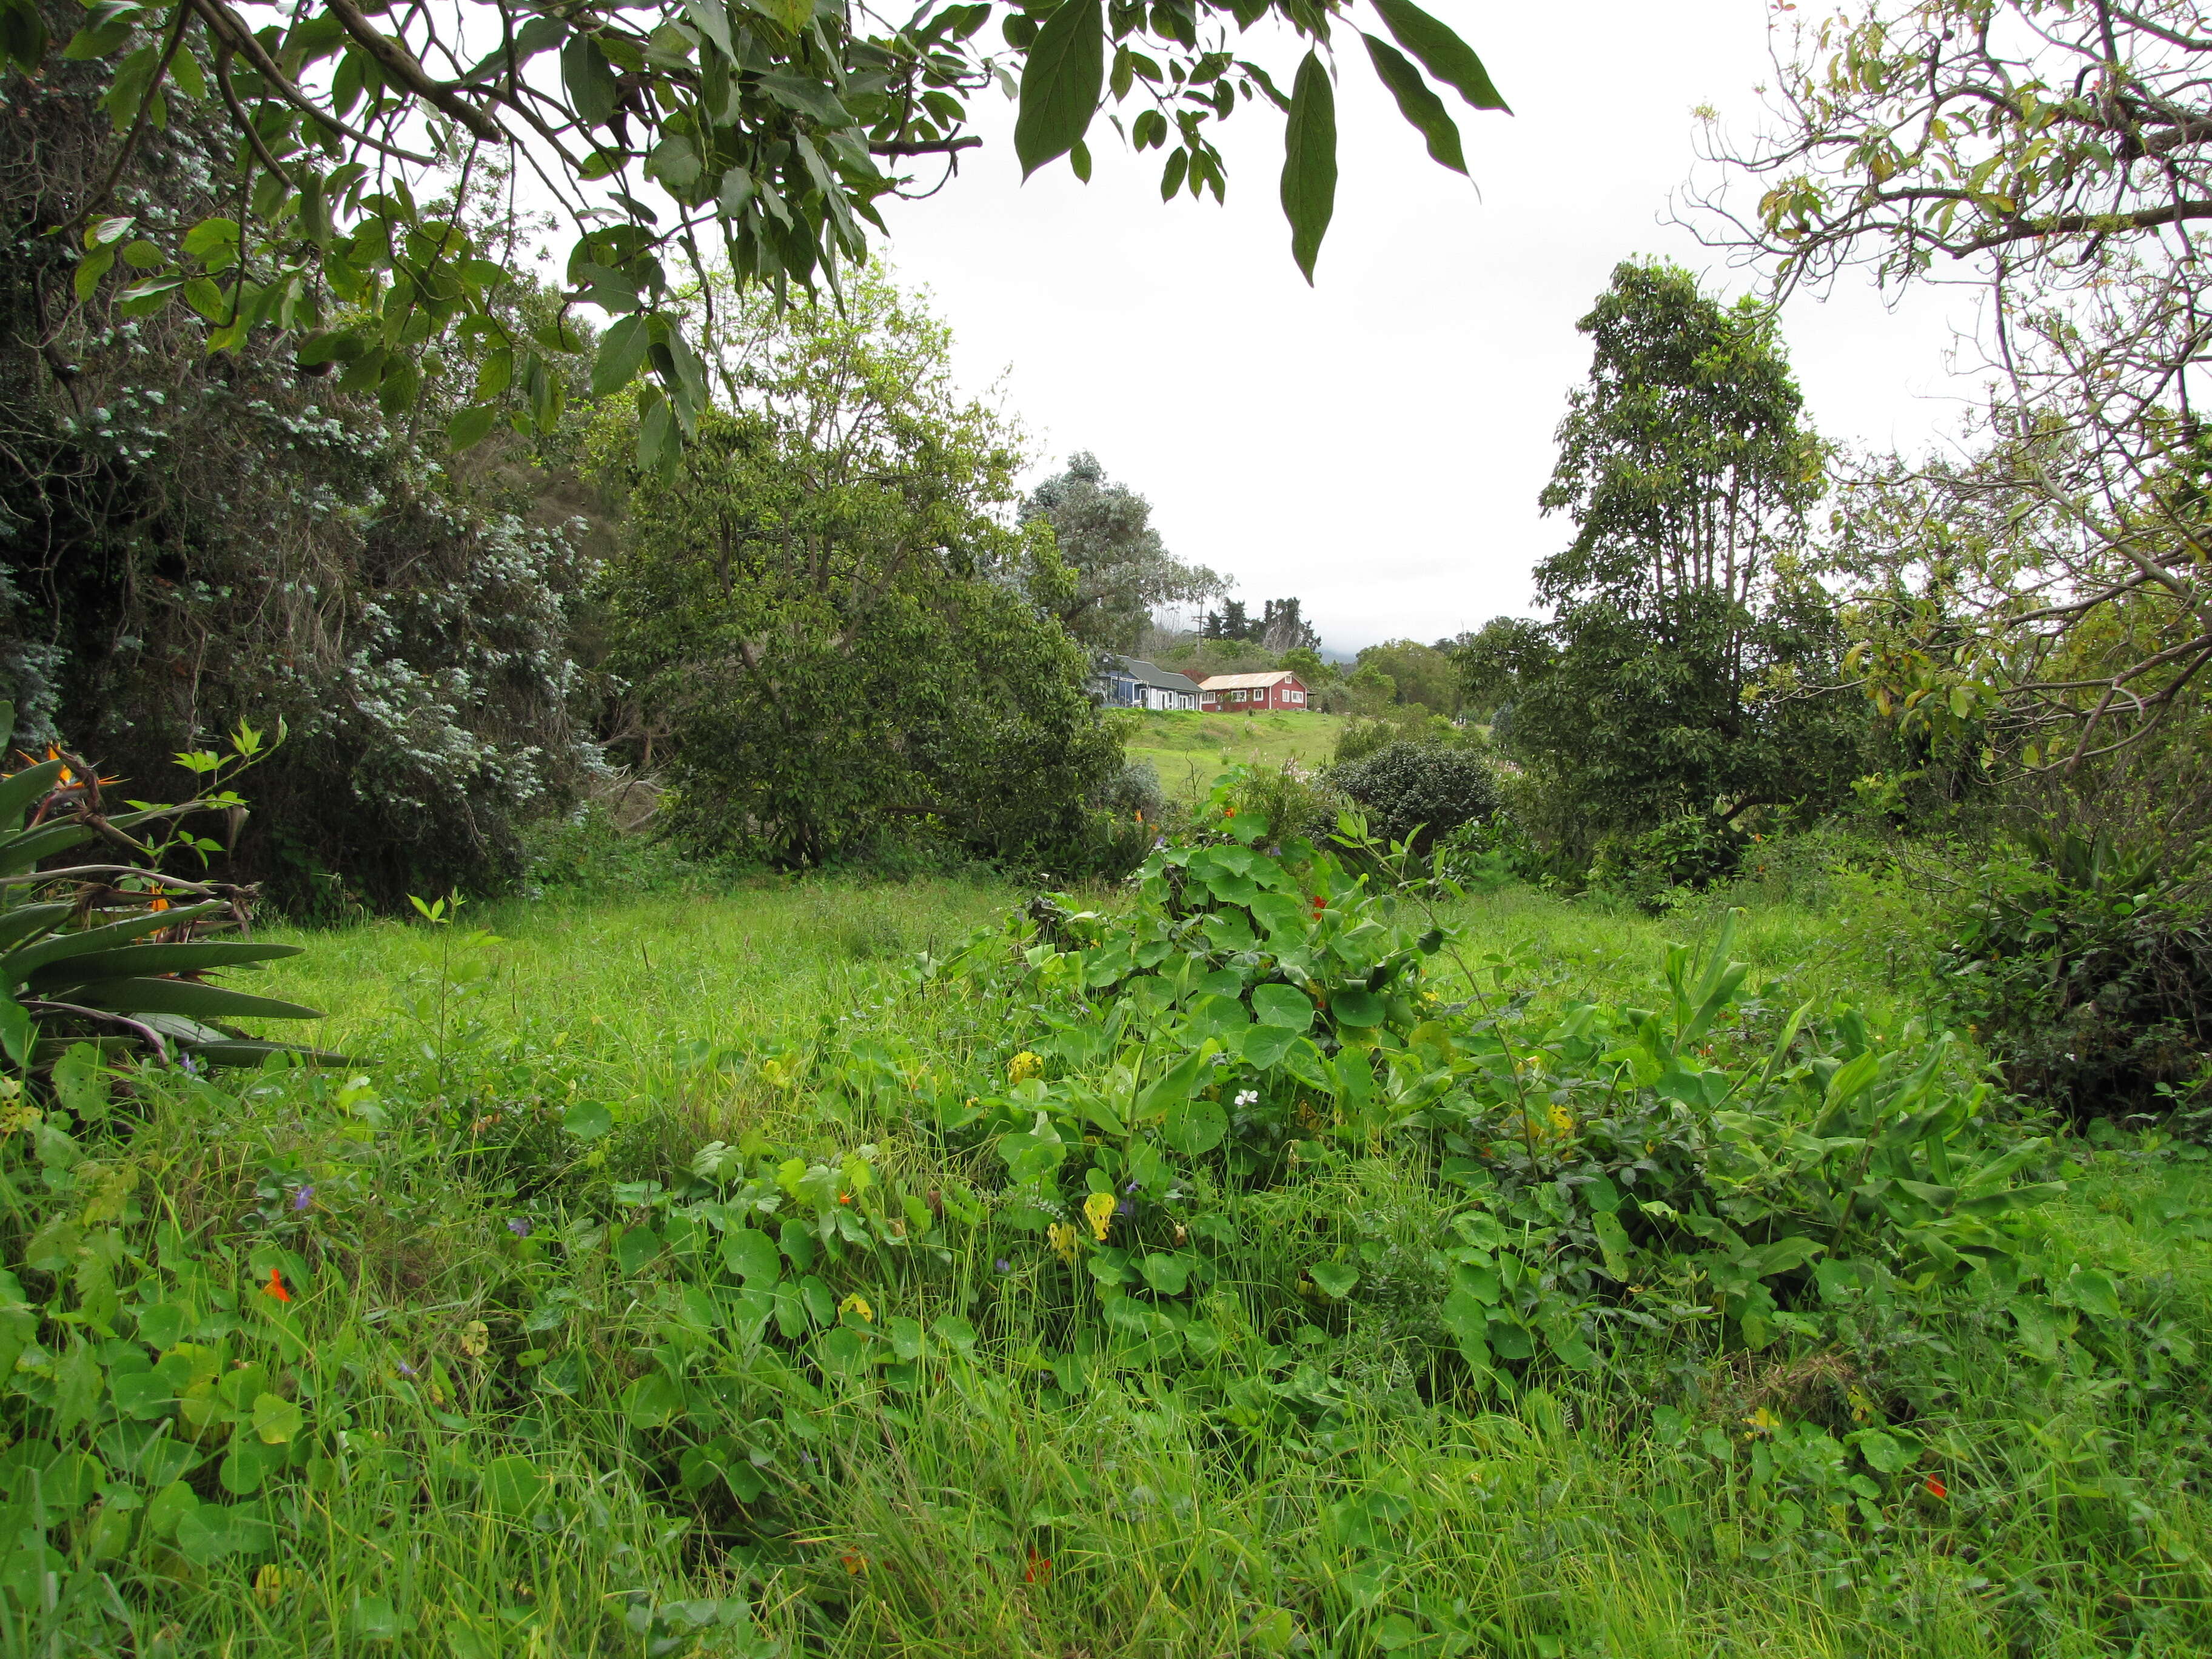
1321, 1489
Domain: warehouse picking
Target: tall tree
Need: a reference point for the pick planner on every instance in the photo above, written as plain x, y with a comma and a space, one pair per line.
830, 612
1420, 674
1684, 617
188, 542
1122, 571
2059, 157
1285, 628
1229, 622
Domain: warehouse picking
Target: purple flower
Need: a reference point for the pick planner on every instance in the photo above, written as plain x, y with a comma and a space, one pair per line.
406, 1370
303, 1198
520, 1226
1125, 1208
1131, 1187
1002, 1265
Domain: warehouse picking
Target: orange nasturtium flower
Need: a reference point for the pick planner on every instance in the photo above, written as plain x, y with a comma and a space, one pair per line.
1039, 1570
1936, 1488
275, 1285
855, 1565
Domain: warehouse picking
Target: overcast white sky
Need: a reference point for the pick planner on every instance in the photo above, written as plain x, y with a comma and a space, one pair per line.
1375, 444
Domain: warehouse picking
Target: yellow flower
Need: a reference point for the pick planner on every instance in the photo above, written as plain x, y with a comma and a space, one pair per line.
1563, 1120
18, 1116
1062, 1237
269, 1585
1023, 1067
1763, 1421
857, 1303
1099, 1206
476, 1338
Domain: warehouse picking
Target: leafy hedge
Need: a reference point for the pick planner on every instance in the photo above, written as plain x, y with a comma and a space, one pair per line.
1419, 790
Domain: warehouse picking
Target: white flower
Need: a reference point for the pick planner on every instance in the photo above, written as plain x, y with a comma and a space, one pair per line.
1248, 1097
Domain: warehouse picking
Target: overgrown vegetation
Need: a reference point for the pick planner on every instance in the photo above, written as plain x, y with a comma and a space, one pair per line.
925, 1286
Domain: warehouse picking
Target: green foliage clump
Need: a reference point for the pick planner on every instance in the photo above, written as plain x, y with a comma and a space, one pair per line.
587, 852
1420, 791
1655, 868
839, 626
116, 952
1296, 800
1135, 788
1688, 623
2089, 970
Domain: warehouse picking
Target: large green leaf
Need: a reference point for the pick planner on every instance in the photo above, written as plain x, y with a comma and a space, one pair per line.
130, 961
1195, 1126
1061, 80
621, 354
21, 853
1265, 1046
186, 996
18, 789
1283, 1004
592, 89
1310, 162
1442, 52
1416, 103
1172, 1087
16, 1030
1360, 1008
16, 925
250, 1051
809, 98
21, 964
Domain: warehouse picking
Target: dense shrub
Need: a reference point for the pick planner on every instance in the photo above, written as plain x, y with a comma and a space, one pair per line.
1135, 788
2089, 972
1293, 800
1363, 736
1685, 855
189, 539
1413, 786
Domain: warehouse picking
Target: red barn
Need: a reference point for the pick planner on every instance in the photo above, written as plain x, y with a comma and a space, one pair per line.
1252, 693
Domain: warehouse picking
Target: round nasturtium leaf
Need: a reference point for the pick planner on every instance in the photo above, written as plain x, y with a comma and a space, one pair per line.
1334, 1278
587, 1120
1282, 1005
512, 1483
1359, 1008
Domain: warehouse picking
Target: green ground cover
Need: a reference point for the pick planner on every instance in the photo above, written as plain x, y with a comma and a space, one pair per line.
1191, 749
513, 1400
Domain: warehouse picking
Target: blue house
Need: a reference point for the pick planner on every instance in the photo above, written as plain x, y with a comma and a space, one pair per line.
1131, 683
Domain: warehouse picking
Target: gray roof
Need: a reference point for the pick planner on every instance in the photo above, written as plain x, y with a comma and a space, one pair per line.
1165, 679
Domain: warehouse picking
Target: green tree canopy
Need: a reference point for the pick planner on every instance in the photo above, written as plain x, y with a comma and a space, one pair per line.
1687, 622
672, 133
1419, 674
1121, 570
830, 611
2059, 157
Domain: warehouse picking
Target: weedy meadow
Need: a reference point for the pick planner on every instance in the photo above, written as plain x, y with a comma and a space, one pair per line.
1290, 1252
